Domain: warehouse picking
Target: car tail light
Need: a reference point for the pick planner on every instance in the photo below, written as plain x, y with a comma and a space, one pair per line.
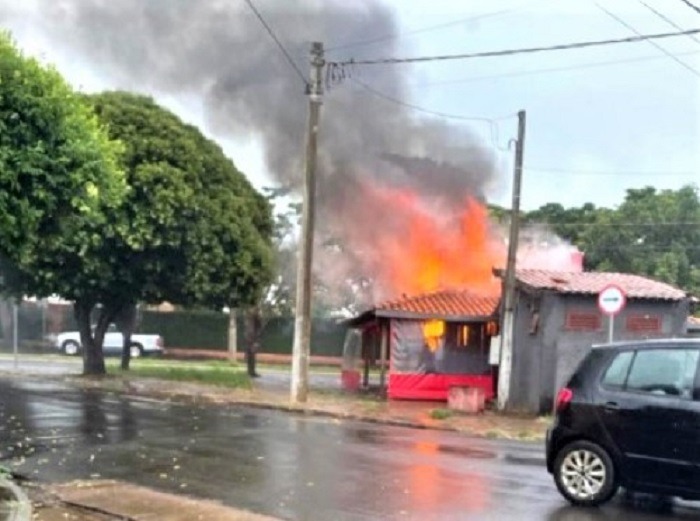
563, 399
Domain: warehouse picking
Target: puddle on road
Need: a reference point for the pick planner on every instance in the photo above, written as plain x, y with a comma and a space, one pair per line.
377, 437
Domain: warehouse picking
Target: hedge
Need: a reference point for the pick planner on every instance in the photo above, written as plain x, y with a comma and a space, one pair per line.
187, 329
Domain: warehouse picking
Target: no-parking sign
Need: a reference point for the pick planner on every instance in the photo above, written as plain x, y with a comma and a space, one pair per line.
611, 300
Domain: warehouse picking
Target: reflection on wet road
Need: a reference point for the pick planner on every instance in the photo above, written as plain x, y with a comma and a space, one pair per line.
290, 466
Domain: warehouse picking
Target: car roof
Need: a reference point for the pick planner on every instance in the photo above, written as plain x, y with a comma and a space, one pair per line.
654, 343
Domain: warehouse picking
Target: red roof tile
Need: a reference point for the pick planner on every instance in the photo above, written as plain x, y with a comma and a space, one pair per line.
591, 282
442, 304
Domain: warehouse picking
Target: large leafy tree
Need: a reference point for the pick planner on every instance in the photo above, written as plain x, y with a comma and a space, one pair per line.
196, 233
148, 210
59, 183
653, 232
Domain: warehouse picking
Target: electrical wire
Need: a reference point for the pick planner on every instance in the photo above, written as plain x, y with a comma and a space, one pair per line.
627, 223
667, 20
526, 50
548, 70
692, 6
492, 122
278, 42
651, 42
388, 37
607, 172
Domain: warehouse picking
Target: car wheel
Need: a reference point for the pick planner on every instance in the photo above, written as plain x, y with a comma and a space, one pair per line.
584, 474
70, 348
136, 350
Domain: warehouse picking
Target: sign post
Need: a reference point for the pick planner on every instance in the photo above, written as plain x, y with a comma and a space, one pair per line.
611, 300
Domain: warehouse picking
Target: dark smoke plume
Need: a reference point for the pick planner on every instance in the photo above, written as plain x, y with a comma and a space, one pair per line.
217, 51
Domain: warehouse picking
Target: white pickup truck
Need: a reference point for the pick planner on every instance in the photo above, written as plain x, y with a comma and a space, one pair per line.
68, 343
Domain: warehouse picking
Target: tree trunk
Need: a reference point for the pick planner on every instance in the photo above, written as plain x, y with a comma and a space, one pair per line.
232, 335
6, 323
253, 332
93, 356
126, 320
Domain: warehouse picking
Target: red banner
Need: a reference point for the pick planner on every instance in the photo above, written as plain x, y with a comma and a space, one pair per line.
435, 386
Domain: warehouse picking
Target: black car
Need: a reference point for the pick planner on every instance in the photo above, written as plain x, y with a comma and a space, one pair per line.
630, 417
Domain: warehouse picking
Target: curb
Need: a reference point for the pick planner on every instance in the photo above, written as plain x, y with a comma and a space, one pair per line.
14, 504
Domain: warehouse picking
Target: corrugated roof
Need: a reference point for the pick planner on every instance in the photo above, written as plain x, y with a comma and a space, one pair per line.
591, 282
442, 304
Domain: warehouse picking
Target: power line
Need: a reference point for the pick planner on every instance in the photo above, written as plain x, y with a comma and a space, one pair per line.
527, 50
418, 108
608, 172
651, 42
549, 70
492, 122
666, 19
431, 28
629, 224
278, 42
692, 6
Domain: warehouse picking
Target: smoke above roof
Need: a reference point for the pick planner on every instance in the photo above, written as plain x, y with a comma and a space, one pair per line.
216, 51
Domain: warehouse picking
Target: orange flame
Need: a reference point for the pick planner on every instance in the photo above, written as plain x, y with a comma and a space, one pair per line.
433, 331
422, 246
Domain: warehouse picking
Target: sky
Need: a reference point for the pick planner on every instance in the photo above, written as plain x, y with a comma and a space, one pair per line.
592, 131
599, 120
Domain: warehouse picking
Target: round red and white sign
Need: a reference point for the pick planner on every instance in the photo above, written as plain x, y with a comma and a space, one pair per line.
611, 300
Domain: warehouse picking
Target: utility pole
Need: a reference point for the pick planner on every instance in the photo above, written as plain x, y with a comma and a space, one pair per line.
302, 320
507, 319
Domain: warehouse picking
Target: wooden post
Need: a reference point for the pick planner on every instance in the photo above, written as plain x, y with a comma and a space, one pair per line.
365, 350
383, 350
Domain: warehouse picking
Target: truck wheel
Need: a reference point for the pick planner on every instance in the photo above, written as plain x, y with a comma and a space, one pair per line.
70, 348
136, 350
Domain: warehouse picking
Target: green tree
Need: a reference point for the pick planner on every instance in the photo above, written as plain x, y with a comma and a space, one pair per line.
654, 233
59, 183
567, 223
196, 233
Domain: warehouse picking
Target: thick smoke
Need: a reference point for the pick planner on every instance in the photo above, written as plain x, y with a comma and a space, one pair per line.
217, 51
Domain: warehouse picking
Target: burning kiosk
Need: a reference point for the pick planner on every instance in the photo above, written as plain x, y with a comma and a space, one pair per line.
424, 344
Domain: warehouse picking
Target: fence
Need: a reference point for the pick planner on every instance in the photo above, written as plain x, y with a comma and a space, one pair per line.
39, 322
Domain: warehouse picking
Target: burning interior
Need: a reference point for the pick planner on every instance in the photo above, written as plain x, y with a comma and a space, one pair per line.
424, 345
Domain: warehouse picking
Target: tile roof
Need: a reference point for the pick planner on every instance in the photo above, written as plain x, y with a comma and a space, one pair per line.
591, 282
444, 304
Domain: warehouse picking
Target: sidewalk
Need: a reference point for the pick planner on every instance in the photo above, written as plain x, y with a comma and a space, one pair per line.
104, 500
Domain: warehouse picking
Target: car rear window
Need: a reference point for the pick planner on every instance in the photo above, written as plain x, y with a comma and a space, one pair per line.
617, 371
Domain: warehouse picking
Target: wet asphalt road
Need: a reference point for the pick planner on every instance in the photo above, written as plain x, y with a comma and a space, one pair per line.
290, 466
